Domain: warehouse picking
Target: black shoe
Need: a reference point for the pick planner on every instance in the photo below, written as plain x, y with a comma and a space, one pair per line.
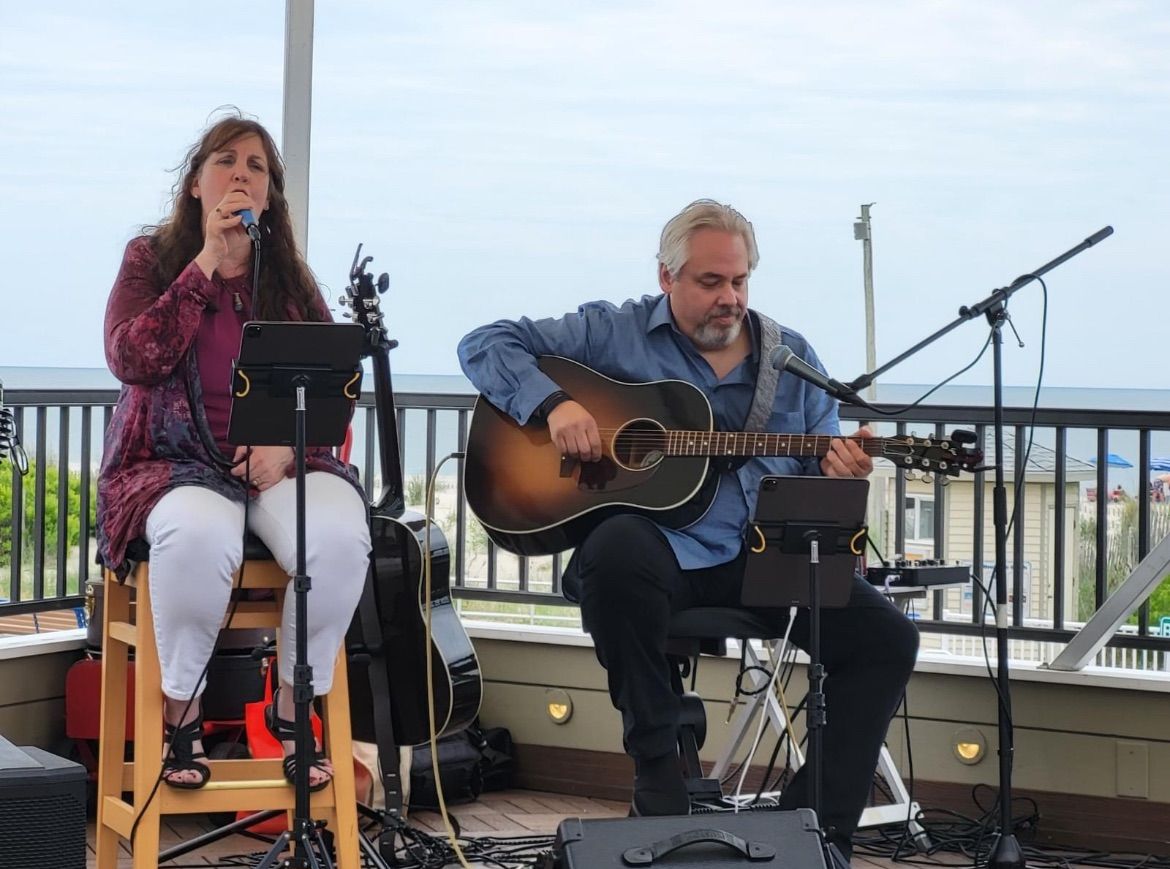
659, 788
285, 731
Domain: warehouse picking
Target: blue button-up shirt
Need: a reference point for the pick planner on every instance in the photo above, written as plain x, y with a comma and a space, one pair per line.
640, 342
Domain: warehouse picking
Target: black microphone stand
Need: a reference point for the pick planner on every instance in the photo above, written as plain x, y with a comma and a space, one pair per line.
305, 837
1006, 853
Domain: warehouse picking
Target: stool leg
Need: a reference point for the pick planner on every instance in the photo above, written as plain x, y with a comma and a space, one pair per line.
147, 731
338, 746
112, 733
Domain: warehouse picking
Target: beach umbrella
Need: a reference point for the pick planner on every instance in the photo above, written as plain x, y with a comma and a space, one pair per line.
1114, 461
1161, 463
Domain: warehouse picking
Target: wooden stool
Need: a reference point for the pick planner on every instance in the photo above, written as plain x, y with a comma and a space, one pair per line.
235, 785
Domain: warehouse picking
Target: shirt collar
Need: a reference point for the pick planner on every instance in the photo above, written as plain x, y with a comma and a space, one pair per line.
661, 316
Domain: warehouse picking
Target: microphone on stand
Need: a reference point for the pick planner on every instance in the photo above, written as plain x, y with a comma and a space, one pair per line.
248, 221
784, 359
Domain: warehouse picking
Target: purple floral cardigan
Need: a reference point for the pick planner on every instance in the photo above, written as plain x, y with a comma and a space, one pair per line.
153, 443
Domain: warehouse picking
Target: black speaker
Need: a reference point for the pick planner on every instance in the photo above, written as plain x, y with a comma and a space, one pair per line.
42, 809
721, 840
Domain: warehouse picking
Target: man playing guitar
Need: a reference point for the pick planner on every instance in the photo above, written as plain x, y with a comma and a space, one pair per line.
630, 572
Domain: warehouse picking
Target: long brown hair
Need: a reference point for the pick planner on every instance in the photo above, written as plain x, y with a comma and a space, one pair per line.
285, 278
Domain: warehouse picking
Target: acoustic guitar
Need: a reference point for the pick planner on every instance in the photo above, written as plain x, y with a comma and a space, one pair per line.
395, 586
658, 442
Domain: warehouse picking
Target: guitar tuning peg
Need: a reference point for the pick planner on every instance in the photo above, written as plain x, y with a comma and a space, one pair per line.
911, 476
927, 477
944, 481
345, 301
383, 282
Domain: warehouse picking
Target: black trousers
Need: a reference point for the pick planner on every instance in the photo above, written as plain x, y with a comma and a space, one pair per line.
628, 583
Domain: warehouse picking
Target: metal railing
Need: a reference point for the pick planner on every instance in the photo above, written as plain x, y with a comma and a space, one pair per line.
46, 546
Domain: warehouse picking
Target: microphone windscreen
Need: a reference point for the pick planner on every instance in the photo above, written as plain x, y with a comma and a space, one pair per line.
780, 357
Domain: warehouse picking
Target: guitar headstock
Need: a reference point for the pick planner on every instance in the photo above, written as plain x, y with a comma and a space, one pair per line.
947, 456
365, 308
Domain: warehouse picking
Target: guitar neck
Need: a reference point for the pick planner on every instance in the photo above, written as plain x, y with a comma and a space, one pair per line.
391, 498
746, 443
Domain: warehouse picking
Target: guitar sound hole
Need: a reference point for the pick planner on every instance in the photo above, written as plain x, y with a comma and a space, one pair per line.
639, 445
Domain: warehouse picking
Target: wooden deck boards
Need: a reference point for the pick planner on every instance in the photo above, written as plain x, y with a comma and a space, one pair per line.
512, 813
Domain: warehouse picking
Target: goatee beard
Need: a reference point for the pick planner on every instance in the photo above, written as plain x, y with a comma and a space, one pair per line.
711, 337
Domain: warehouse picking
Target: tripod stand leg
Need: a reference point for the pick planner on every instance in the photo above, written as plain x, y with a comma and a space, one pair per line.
215, 835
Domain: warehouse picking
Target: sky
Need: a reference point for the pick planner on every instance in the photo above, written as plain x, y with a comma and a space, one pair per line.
518, 158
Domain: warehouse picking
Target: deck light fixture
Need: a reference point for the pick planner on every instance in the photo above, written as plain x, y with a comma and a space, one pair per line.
559, 705
969, 745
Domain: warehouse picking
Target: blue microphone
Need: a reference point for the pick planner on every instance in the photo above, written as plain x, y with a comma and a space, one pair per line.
248, 221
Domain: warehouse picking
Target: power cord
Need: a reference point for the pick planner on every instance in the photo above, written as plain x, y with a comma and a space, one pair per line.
1019, 493
897, 410
426, 607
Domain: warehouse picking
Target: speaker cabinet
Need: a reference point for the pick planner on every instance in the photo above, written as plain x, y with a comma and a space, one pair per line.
42, 809
721, 840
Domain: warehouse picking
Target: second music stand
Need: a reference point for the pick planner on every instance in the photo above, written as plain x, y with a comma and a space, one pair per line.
832, 532
282, 368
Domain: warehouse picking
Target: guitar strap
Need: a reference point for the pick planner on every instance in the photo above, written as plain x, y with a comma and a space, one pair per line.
766, 376
374, 641
766, 332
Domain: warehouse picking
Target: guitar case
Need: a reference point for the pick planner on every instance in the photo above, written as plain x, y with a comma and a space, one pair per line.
721, 840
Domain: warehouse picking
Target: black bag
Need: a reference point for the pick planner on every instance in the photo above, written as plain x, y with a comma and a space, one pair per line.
470, 762
496, 748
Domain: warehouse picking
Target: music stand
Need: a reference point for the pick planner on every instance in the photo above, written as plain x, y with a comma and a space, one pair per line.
281, 369
774, 577
833, 528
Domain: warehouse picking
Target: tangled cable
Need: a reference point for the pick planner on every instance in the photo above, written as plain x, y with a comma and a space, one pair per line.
10, 439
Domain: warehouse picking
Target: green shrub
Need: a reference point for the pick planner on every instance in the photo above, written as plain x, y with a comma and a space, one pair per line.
52, 480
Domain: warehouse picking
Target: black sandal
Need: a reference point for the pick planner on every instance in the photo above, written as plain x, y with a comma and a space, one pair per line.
181, 757
284, 730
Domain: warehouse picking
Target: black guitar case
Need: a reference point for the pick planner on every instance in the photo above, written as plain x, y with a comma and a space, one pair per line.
721, 840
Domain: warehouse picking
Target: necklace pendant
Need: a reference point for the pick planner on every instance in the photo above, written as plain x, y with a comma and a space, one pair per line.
237, 302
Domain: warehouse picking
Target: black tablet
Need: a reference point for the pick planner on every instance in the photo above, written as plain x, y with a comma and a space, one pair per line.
278, 357
787, 509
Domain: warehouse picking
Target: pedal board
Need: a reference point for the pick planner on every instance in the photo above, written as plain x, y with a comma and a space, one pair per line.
923, 573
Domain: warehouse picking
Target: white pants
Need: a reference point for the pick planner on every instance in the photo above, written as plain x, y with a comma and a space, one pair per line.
196, 544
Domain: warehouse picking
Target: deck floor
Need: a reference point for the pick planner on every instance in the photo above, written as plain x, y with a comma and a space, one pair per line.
512, 813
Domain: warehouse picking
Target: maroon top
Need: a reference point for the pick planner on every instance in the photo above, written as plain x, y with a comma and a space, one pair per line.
158, 434
216, 345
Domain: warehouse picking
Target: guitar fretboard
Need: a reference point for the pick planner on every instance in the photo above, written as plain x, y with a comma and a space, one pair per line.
743, 443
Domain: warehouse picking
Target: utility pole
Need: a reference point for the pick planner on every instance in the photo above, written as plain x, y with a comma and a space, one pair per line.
861, 232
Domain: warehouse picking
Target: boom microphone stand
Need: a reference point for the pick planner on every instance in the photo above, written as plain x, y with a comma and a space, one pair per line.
1006, 853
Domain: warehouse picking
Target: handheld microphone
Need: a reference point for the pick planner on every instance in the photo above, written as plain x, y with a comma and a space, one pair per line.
784, 359
248, 221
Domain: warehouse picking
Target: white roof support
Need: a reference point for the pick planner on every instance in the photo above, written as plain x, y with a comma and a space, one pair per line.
1130, 595
298, 114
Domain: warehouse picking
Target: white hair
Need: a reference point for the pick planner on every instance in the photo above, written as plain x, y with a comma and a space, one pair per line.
674, 246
